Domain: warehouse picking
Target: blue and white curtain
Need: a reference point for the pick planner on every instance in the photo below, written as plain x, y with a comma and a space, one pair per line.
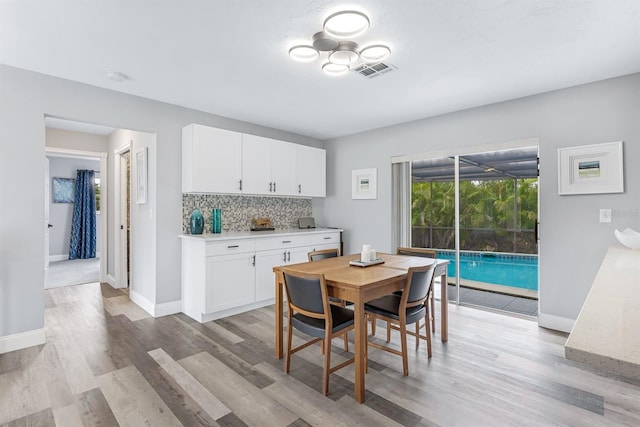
83, 226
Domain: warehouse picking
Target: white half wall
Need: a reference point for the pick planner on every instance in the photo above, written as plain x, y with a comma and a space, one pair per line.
572, 241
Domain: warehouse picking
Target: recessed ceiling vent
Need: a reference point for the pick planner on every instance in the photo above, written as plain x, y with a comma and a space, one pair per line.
374, 70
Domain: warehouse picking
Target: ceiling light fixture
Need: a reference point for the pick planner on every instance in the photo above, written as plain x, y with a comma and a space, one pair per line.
335, 69
303, 53
341, 54
116, 76
346, 24
375, 53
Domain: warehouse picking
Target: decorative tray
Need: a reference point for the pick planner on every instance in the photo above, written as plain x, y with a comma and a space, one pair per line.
359, 263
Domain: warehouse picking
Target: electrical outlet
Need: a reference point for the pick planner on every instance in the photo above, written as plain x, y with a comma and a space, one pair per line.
605, 215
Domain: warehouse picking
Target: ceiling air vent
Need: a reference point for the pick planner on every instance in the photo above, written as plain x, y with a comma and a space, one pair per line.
374, 70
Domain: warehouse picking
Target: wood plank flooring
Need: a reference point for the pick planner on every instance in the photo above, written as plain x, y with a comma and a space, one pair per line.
108, 363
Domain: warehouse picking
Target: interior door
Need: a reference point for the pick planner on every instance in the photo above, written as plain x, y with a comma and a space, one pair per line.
47, 198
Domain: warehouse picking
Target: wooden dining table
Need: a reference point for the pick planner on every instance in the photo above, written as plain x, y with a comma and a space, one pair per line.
360, 285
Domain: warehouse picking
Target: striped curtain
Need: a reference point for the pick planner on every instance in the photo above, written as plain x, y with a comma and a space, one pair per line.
83, 226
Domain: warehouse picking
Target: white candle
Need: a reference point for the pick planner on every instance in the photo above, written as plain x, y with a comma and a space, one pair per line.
365, 256
372, 254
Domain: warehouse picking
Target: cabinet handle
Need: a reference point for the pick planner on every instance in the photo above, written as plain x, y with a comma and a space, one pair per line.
253, 260
288, 255
286, 241
284, 256
240, 185
233, 246
270, 187
299, 188
274, 187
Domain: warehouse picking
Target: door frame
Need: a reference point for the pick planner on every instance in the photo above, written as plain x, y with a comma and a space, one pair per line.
104, 202
120, 238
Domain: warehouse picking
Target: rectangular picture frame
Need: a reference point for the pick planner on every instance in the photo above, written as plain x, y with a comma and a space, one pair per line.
63, 190
141, 176
364, 183
591, 169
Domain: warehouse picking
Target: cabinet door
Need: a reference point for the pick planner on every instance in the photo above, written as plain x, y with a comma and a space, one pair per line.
230, 281
256, 165
211, 160
265, 278
283, 168
311, 171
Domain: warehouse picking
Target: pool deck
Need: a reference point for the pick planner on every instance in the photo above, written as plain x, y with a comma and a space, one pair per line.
499, 289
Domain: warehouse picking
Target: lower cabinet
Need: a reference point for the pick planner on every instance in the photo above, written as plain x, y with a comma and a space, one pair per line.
225, 277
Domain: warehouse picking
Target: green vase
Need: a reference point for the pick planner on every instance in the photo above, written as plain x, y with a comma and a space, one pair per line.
196, 222
216, 221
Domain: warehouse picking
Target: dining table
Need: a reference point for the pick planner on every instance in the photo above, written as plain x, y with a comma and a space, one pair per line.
359, 285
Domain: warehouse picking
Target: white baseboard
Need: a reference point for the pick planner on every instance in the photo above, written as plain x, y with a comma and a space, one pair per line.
167, 308
156, 310
62, 257
556, 323
111, 280
22, 340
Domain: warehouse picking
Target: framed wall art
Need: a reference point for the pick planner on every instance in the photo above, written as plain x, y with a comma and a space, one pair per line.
591, 169
141, 176
364, 184
63, 190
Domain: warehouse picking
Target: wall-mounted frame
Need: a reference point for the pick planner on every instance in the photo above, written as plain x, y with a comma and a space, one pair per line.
591, 169
64, 190
141, 176
364, 183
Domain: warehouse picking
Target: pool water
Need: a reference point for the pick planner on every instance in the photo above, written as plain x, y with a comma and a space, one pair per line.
507, 270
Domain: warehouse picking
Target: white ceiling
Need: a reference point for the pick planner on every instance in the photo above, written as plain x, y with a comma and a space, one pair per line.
230, 57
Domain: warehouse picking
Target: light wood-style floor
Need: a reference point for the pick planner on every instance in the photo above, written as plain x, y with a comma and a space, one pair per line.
107, 363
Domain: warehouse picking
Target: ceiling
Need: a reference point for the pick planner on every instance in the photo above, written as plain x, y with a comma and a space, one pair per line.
230, 57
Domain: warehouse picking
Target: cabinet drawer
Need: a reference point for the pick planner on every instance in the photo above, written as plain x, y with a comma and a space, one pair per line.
229, 247
282, 242
321, 239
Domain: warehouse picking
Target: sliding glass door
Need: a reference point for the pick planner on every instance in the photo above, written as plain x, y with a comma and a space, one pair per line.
479, 210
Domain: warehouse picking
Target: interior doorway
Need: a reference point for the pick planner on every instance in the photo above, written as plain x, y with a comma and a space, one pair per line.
123, 216
60, 167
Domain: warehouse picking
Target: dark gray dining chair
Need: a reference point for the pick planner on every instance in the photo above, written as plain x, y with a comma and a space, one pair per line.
405, 309
311, 313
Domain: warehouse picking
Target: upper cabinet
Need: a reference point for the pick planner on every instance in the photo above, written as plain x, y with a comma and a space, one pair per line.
211, 160
221, 161
311, 171
268, 166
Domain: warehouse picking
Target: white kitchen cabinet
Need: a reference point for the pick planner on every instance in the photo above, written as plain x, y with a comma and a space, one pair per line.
268, 166
224, 276
211, 160
311, 171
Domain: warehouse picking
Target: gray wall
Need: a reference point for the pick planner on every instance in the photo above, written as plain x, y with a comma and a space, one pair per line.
61, 214
573, 242
25, 99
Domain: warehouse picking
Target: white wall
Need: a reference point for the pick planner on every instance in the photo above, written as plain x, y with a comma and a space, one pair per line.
573, 242
26, 98
61, 214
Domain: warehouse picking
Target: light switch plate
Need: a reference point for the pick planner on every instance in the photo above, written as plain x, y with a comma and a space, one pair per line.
605, 215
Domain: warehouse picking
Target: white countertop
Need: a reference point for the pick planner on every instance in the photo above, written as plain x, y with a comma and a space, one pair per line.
233, 235
606, 334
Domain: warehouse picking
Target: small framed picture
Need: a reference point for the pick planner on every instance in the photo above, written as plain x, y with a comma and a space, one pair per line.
64, 190
141, 176
591, 169
364, 184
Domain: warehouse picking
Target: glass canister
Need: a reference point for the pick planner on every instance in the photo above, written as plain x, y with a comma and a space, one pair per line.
196, 222
216, 221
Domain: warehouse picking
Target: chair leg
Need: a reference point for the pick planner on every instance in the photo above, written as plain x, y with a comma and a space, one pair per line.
327, 364
346, 341
388, 331
418, 332
433, 313
287, 361
403, 343
427, 331
373, 325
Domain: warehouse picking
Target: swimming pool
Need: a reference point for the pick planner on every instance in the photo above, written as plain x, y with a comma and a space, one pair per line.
519, 271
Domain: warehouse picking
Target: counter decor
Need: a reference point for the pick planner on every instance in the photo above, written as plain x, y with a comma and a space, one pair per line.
196, 222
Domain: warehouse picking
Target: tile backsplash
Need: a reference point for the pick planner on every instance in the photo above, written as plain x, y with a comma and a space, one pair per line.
238, 211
